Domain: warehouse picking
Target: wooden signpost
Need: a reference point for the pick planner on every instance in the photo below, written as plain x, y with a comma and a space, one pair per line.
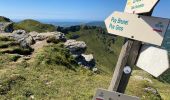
137, 29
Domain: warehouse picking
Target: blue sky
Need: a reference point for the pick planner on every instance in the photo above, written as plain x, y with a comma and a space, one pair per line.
89, 10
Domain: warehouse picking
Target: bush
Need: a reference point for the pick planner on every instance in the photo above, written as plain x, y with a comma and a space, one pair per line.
56, 54
52, 39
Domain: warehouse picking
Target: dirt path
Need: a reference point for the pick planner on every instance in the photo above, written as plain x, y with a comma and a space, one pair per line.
37, 47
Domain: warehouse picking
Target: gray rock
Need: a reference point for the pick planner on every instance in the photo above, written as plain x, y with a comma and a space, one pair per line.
23, 38
75, 47
6, 27
152, 91
42, 36
19, 34
33, 34
29, 40
95, 69
88, 58
87, 61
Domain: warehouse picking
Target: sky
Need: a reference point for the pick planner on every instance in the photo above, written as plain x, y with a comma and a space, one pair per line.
82, 10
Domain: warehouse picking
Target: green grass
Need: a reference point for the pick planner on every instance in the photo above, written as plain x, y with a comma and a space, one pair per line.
56, 55
136, 87
50, 79
4, 19
32, 25
102, 46
9, 50
47, 78
53, 74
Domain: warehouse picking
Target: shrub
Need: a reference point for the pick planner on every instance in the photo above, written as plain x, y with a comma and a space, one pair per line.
56, 54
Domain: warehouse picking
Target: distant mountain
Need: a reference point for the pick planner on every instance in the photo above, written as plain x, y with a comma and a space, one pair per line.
4, 19
33, 25
96, 23
66, 24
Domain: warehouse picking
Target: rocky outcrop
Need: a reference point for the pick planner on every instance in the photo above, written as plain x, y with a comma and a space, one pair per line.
77, 49
23, 38
6, 27
57, 36
27, 39
87, 60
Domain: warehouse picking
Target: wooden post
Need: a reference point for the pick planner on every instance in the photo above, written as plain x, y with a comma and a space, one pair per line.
127, 57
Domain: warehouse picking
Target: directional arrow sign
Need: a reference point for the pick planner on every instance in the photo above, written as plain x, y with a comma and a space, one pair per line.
140, 6
143, 28
102, 94
154, 60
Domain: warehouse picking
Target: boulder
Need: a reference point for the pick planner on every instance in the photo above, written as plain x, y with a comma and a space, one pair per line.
58, 36
86, 60
23, 38
33, 34
75, 47
6, 27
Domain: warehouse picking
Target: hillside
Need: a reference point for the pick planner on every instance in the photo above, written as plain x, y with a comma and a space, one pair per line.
102, 45
47, 70
4, 19
96, 23
32, 25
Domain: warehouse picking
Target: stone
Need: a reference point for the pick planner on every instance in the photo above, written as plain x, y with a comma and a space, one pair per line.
75, 47
56, 35
33, 34
88, 58
152, 91
6, 27
94, 69
87, 61
23, 38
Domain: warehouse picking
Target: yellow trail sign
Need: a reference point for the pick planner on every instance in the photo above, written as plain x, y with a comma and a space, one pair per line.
142, 28
140, 6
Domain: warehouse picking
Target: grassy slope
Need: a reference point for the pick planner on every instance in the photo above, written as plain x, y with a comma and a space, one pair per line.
4, 19
101, 45
50, 80
106, 62
136, 87
32, 25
